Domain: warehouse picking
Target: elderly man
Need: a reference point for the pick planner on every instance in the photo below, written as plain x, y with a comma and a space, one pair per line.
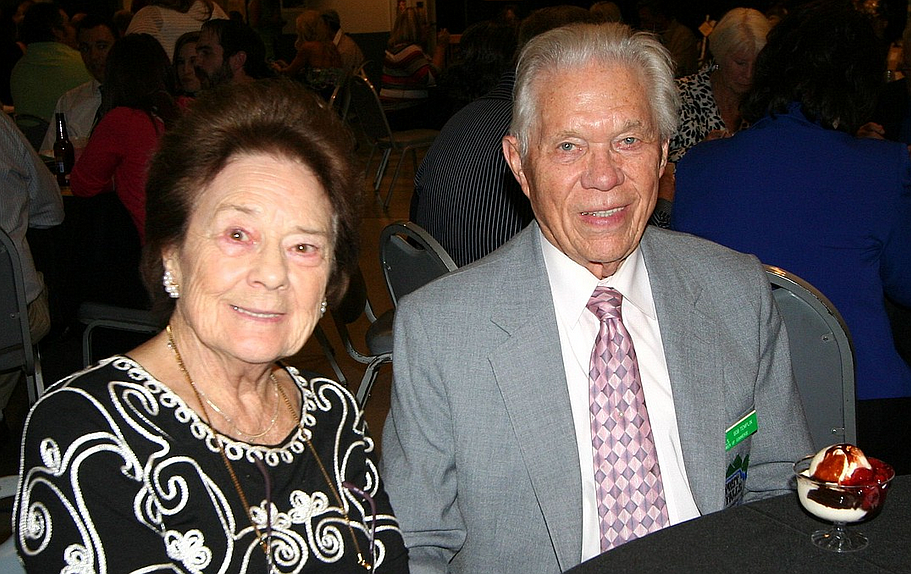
80, 105
518, 439
229, 52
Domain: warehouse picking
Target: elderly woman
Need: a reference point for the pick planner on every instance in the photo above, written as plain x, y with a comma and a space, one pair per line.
710, 99
198, 451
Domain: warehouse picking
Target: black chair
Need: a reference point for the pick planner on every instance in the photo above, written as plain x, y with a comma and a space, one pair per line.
100, 316
17, 353
354, 305
411, 258
376, 128
822, 357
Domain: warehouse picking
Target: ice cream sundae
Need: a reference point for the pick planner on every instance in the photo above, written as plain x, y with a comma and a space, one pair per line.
840, 484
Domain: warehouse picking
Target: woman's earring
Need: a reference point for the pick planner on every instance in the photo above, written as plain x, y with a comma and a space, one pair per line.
322, 308
170, 287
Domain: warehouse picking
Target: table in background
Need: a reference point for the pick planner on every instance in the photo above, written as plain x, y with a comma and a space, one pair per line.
769, 536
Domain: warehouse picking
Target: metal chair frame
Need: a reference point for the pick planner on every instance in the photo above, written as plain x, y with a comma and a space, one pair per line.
16, 348
410, 258
373, 122
818, 336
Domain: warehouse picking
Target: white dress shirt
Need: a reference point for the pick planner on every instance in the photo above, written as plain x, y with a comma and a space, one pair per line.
80, 106
571, 286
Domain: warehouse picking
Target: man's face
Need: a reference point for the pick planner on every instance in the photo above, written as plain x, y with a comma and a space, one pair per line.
94, 45
211, 66
593, 163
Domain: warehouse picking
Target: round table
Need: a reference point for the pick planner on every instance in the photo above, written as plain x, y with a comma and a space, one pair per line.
769, 536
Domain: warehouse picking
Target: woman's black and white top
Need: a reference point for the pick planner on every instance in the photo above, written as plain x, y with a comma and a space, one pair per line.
120, 475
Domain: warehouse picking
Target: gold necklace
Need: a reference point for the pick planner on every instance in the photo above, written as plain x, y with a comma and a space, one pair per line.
263, 541
231, 422
357, 547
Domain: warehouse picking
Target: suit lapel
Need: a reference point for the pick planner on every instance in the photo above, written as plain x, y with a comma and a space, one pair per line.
528, 366
694, 365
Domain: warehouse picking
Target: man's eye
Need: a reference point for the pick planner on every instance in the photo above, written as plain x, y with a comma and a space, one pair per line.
567, 146
628, 141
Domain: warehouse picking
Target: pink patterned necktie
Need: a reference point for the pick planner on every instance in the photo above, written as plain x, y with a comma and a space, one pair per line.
628, 485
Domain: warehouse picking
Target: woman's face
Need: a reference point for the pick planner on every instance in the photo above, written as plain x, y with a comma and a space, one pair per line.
256, 259
185, 63
736, 70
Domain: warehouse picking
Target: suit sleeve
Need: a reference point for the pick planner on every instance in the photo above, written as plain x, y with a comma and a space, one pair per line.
783, 436
418, 461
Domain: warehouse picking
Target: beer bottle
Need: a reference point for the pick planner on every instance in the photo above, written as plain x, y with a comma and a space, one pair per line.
64, 156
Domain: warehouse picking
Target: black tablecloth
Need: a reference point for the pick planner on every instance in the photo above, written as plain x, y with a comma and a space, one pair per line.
770, 536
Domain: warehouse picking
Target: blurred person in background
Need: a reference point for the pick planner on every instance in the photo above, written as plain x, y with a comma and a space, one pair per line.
350, 52
81, 105
710, 99
137, 105
409, 72
51, 65
167, 20
658, 16
229, 52
486, 52
29, 199
188, 83
318, 64
801, 192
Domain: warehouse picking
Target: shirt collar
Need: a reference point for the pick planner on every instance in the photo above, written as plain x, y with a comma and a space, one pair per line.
572, 284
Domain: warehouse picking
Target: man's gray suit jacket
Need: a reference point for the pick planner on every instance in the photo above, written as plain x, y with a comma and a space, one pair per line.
479, 451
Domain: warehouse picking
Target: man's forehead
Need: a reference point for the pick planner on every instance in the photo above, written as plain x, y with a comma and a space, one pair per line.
95, 34
207, 39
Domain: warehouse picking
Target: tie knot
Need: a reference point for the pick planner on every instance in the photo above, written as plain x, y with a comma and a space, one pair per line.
605, 303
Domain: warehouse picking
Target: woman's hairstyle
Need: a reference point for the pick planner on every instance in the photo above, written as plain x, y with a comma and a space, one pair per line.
187, 38
276, 117
739, 28
486, 52
825, 56
408, 28
312, 28
139, 75
41, 19
578, 45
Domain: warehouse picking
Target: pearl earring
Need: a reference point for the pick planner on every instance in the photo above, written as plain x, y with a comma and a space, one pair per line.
170, 286
322, 308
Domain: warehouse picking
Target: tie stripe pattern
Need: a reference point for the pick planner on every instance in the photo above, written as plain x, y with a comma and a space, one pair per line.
628, 486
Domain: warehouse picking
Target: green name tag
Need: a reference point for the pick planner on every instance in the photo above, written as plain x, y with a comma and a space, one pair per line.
740, 430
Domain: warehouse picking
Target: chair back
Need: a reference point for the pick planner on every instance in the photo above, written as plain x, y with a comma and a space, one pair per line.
411, 258
368, 108
16, 349
822, 357
33, 127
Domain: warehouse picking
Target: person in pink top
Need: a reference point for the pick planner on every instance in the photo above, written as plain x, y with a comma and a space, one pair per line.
137, 103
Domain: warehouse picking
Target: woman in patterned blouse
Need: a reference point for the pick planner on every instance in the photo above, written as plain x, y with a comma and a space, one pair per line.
199, 451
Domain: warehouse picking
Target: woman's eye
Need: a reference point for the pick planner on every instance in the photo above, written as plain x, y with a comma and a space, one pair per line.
238, 235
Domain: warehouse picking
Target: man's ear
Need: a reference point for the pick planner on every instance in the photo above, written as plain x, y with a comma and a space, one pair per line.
514, 159
237, 61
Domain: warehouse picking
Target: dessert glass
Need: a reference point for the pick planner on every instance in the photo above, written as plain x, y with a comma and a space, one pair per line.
839, 504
